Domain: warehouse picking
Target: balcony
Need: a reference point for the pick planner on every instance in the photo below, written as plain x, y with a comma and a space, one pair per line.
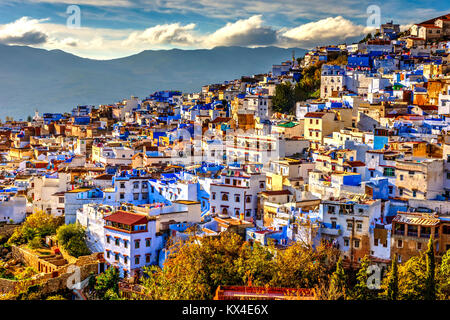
331, 231
399, 232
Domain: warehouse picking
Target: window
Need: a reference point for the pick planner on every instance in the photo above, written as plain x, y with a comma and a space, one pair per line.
125, 243
399, 244
107, 239
237, 198
122, 185
147, 242
116, 256
136, 260
371, 173
61, 199
147, 258
213, 195
389, 172
136, 196
401, 177
248, 199
419, 245
346, 242
107, 254
400, 191
224, 197
375, 242
122, 195
359, 226
136, 185
125, 259
137, 243
227, 180
349, 225
117, 242
144, 196
333, 224
356, 243
414, 193
391, 189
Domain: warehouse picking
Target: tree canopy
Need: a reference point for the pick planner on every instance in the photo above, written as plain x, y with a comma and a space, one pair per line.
72, 238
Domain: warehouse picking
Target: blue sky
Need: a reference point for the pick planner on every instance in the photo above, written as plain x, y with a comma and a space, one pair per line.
117, 28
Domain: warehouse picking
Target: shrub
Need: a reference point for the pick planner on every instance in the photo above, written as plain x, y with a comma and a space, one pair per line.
72, 238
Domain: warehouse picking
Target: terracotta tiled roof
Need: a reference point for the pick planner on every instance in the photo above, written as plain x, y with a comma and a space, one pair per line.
314, 114
127, 218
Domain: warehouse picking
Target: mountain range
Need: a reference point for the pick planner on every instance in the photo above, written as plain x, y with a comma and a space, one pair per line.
57, 81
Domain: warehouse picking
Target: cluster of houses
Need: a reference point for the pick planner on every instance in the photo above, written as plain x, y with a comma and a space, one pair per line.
364, 168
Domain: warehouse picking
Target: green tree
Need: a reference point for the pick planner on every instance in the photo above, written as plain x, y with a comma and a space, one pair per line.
38, 224
444, 277
108, 281
411, 278
338, 282
361, 291
72, 238
56, 297
301, 266
283, 100
36, 242
392, 287
430, 281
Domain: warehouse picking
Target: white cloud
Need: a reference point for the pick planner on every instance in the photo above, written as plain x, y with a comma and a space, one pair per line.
174, 34
100, 3
105, 43
245, 32
24, 31
332, 28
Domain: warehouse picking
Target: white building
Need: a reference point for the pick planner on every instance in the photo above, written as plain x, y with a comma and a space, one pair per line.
90, 216
236, 194
12, 208
131, 242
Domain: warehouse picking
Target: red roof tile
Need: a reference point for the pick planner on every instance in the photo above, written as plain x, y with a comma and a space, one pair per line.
127, 218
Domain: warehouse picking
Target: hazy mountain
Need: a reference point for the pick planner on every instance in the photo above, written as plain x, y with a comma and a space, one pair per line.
56, 81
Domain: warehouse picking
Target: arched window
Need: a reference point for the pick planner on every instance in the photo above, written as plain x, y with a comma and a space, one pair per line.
224, 211
224, 197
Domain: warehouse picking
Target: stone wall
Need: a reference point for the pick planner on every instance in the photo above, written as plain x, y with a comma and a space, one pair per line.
40, 263
60, 278
7, 229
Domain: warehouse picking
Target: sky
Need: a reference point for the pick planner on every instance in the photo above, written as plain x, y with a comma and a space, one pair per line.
107, 29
